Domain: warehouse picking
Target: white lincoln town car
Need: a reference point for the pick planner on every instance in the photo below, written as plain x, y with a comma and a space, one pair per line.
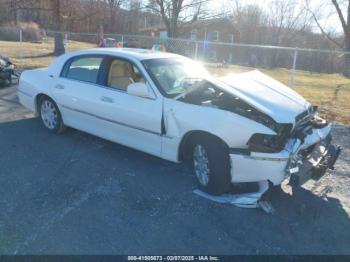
245, 127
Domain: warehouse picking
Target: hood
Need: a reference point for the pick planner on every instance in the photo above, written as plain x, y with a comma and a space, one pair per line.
265, 94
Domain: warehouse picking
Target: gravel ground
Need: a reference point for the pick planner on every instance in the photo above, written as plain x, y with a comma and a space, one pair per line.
79, 194
337, 182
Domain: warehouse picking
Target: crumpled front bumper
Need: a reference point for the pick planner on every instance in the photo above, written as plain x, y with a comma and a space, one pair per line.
322, 157
313, 155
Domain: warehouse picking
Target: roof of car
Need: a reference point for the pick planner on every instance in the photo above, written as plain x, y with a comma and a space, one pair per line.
137, 53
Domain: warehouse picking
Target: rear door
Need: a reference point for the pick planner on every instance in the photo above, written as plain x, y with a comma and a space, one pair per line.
75, 92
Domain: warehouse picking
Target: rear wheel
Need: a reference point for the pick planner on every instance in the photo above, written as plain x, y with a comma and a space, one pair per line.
50, 115
211, 165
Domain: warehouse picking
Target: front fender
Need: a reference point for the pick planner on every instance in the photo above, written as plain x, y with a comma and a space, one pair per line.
235, 130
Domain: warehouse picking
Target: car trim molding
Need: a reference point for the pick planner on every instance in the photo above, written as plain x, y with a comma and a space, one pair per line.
279, 159
24, 93
111, 121
240, 151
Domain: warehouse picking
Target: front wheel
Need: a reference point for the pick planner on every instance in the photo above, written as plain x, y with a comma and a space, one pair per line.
211, 165
50, 115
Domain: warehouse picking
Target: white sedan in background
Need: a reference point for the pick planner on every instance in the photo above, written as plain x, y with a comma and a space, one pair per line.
241, 128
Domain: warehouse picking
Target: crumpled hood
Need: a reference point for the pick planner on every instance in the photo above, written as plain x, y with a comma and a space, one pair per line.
265, 94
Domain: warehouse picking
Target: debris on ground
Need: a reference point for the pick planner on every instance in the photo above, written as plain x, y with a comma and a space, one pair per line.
246, 200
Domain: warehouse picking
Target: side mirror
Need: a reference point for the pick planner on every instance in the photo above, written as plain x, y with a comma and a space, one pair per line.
140, 90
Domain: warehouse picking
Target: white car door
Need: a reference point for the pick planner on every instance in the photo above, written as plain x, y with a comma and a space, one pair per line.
75, 92
130, 120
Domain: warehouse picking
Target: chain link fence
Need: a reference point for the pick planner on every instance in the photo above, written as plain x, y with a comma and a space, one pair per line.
316, 74
22, 47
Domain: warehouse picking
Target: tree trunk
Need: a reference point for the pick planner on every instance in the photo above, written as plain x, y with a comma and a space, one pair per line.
346, 71
172, 29
13, 5
59, 46
112, 25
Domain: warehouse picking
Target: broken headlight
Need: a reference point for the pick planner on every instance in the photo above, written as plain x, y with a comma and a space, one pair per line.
265, 143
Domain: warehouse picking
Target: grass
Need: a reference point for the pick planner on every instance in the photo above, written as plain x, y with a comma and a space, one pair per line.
36, 55
319, 89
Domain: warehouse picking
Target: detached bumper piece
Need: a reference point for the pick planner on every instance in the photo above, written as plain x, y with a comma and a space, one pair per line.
317, 159
245, 200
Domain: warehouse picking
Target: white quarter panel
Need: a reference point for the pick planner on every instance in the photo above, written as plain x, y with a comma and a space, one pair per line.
32, 83
26, 99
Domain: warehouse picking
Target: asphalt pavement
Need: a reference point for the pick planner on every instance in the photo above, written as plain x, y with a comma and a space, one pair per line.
78, 194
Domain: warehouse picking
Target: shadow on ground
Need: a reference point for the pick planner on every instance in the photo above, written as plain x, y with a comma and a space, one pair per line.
78, 194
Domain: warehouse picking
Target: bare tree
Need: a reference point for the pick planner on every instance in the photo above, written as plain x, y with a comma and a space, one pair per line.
174, 12
278, 23
134, 19
15, 7
249, 21
113, 7
342, 11
287, 18
93, 14
53, 7
57, 26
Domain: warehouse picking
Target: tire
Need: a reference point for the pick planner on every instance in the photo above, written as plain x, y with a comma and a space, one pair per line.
218, 180
50, 115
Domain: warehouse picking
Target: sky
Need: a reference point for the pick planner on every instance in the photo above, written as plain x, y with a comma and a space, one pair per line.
329, 19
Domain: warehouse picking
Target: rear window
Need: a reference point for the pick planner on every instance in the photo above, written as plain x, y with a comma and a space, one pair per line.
84, 69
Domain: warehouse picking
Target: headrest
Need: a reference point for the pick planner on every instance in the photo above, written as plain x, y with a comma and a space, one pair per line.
121, 69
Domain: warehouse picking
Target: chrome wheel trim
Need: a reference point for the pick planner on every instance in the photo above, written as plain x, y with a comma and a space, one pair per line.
49, 114
201, 164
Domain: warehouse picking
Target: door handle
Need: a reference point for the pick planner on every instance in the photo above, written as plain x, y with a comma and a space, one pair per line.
59, 86
107, 99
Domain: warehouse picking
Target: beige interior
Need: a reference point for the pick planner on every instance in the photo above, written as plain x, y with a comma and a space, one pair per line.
120, 74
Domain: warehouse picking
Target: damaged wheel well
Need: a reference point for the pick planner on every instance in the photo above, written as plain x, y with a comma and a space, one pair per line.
188, 138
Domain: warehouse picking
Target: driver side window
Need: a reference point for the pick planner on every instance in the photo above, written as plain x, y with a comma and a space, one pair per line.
123, 73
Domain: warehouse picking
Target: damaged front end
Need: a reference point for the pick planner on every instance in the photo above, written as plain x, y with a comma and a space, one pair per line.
297, 143
312, 151
302, 152
272, 157
307, 153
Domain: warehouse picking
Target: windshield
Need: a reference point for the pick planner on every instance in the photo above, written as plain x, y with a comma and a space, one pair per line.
175, 76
